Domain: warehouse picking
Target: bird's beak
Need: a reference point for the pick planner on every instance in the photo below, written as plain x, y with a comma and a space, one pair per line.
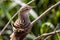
33, 7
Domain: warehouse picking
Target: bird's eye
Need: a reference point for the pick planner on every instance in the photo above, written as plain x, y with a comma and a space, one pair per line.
23, 10
26, 9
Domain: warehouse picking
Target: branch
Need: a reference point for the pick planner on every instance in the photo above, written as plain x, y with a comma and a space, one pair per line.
47, 34
45, 13
51, 35
30, 1
41, 16
7, 24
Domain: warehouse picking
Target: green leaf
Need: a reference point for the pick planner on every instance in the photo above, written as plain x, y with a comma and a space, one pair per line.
45, 27
58, 35
1, 38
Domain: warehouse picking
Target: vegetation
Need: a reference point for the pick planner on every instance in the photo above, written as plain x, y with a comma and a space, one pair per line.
47, 24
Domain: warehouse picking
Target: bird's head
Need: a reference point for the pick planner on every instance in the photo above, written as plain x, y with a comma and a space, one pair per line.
25, 9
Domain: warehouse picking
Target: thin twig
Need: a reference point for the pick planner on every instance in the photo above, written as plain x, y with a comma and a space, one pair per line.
47, 34
31, 1
51, 35
46, 12
47, 37
8, 23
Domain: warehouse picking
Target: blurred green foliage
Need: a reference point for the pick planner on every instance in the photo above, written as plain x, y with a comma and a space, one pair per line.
47, 24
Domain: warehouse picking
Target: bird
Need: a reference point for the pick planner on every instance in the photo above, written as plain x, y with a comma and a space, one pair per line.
23, 18
21, 23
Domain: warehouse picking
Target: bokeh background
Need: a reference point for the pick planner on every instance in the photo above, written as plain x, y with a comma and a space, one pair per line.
47, 24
